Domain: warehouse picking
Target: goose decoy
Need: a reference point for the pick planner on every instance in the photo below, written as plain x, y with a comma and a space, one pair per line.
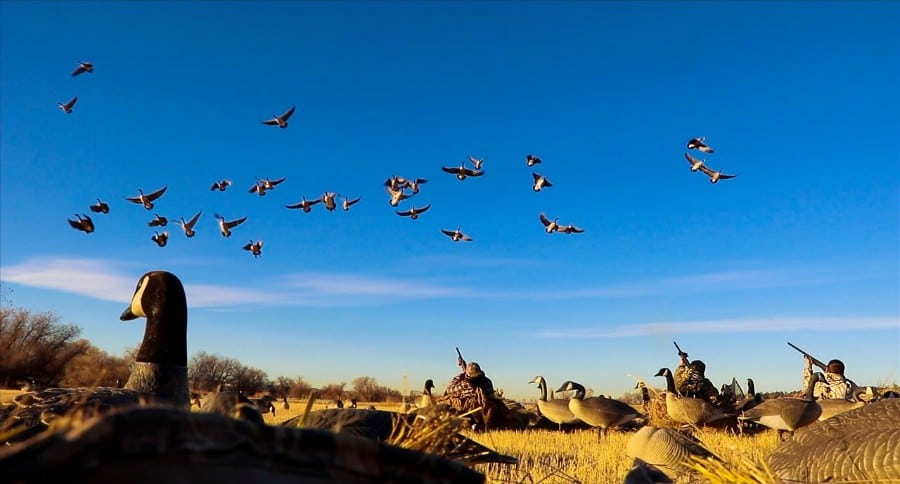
699, 144
82, 223
328, 201
476, 162
226, 226
188, 227
540, 181
556, 411
347, 203
532, 160
550, 225
569, 229
100, 207
153, 444
255, 248
461, 171
671, 451
695, 163
83, 67
232, 403
427, 400
147, 199
220, 185
860, 445
600, 412
715, 176
159, 373
304, 204
158, 221
751, 400
456, 235
67, 107
396, 196
836, 406
160, 239
414, 212
280, 121
787, 414
688, 410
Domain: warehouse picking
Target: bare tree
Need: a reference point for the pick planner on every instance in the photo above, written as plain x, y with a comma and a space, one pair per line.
94, 367
332, 391
206, 371
36, 346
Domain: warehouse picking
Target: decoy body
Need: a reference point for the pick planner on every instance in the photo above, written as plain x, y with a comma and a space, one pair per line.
304, 204
414, 212
699, 144
100, 207
220, 185
82, 223
601, 412
549, 225
461, 171
688, 410
226, 226
281, 121
160, 239
556, 411
159, 373
347, 203
668, 449
188, 226
532, 160
158, 221
67, 107
255, 248
540, 181
456, 235
147, 199
83, 67
787, 414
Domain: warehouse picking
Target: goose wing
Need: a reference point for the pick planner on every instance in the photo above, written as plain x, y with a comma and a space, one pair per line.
276, 182
287, 114
193, 220
693, 161
153, 196
544, 220
452, 169
235, 223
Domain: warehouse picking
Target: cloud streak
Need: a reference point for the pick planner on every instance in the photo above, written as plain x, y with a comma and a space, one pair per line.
745, 325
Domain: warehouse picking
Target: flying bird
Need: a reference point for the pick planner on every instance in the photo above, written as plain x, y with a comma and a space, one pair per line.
158, 221
532, 160
255, 248
695, 163
414, 212
84, 224
540, 181
396, 196
261, 186
699, 144
328, 200
413, 184
551, 225
347, 203
456, 235
220, 185
147, 199
67, 107
461, 171
304, 204
83, 67
160, 239
100, 207
715, 176
476, 162
569, 229
188, 227
225, 226
280, 121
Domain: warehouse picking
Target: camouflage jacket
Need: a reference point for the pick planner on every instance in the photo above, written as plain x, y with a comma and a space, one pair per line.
835, 386
466, 394
692, 383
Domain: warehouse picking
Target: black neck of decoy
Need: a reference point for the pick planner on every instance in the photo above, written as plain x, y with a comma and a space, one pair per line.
670, 381
811, 386
165, 336
751, 390
542, 386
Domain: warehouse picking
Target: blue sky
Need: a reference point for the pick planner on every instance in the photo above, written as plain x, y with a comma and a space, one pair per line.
798, 99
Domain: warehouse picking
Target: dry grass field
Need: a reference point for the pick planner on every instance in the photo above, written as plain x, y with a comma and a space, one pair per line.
556, 457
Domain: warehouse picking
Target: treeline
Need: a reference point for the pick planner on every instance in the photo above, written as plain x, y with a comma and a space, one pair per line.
38, 348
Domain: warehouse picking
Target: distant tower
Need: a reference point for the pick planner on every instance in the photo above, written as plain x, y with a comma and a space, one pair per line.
405, 389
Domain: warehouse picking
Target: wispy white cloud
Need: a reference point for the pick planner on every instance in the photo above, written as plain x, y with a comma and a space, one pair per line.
746, 325
331, 284
94, 278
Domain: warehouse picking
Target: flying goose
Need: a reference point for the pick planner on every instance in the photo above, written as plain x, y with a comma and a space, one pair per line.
787, 414
715, 176
556, 411
67, 107
304, 204
476, 162
600, 412
147, 199
456, 235
346, 203
550, 225
83, 67
699, 144
100, 207
461, 171
261, 186
160, 239
255, 248
396, 196
540, 181
532, 160
667, 449
695, 163
158, 374
226, 226
281, 121
688, 410
220, 185
82, 223
188, 227
569, 229
328, 201
860, 445
158, 221
413, 184
414, 212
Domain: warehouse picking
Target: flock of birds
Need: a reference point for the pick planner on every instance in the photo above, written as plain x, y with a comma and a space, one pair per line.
397, 188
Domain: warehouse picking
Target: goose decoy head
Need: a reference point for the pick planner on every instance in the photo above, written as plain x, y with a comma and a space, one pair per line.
159, 297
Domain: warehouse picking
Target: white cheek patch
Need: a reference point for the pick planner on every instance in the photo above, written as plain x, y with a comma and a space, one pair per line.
136, 307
